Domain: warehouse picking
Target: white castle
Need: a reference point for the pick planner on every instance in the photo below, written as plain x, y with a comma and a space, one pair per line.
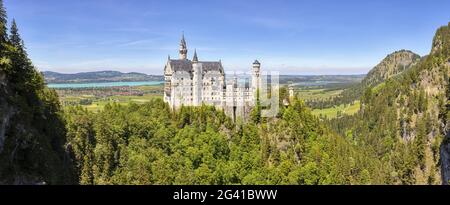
196, 83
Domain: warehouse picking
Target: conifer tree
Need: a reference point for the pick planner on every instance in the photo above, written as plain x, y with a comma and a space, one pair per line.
420, 143
18, 58
3, 35
3, 23
14, 37
23, 74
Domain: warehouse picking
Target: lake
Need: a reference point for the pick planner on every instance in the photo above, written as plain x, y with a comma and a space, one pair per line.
102, 85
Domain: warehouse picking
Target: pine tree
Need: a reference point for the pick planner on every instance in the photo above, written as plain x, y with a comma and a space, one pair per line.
3, 23
421, 142
14, 37
22, 75
3, 35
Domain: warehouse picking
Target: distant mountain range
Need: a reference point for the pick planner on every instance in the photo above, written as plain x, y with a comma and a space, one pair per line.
115, 76
345, 79
100, 76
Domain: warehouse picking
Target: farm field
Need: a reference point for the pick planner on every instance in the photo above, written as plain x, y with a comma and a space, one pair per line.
96, 99
318, 94
99, 104
338, 110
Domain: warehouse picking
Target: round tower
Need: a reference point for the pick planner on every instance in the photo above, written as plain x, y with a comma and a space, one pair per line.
256, 80
291, 92
256, 75
197, 81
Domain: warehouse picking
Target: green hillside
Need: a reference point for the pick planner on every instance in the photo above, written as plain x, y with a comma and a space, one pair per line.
404, 121
391, 66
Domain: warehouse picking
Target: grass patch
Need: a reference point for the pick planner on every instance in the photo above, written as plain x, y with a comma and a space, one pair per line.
318, 94
342, 109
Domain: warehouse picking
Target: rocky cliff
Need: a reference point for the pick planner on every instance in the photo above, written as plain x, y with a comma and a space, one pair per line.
445, 147
32, 137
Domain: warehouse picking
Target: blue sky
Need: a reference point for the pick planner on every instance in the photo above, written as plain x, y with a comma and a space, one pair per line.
290, 36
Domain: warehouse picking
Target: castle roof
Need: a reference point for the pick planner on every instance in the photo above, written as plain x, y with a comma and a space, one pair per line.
183, 41
181, 65
195, 59
186, 65
212, 66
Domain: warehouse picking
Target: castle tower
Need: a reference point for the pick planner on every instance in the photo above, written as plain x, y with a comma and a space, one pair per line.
183, 48
197, 81
256, 78
195, 58
291, 93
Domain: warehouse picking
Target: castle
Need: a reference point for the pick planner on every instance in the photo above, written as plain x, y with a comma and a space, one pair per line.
196, 83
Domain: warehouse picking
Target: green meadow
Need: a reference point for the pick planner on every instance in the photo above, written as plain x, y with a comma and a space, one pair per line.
338, 110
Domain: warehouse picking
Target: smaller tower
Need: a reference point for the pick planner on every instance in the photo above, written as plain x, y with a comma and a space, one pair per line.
256, 74
183, 48
291, 92
197, 81
256, 79
195, 59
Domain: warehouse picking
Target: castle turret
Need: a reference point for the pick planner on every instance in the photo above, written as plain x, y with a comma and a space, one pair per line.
291, 93
256, 78
197, 81
183, 48
195, 59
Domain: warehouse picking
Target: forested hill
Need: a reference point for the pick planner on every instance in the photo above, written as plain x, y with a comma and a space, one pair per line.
100, 76
404, 121
32, 132
394, 64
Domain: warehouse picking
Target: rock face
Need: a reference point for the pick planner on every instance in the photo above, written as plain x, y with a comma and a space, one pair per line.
445, 160
32, 138
5, 113
392, 65
4, 122
445, 147
441, 51
2, 79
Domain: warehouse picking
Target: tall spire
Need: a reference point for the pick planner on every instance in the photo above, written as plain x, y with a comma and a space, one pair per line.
183, 40
195, 59
183, 48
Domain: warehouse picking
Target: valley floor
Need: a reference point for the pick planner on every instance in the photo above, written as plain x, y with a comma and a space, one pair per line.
94, 99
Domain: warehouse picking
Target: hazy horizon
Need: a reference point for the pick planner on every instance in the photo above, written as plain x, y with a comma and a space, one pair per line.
292, 37
161, 74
